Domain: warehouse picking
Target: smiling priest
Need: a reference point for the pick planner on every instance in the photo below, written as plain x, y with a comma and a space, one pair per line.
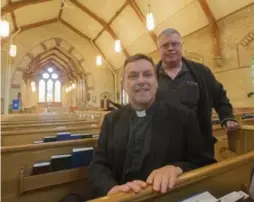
147, 142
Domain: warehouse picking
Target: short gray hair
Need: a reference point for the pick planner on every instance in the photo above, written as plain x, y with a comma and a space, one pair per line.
168, 32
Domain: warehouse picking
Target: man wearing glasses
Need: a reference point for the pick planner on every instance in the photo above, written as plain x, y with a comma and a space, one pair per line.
193, 85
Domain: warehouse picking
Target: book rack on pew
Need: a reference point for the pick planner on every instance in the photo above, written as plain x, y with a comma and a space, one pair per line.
35, 182
18, 186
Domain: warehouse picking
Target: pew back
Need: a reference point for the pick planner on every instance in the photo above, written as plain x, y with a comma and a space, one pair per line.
242, 141
17, 186
33, 126
29, 136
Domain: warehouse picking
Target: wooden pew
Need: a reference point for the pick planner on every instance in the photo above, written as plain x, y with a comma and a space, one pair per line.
29, 136
248, 121
242, 141
221, 148
36, 126
31, 117
219, 179
17, 161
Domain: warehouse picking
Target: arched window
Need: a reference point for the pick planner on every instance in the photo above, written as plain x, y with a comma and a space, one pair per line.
57, 91
42, 87
49, 90
49, 86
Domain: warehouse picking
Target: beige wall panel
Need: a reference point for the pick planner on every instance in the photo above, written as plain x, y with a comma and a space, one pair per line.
246, 54
89, 81
81, 21
102, 84
143, 44
3, 72
17, 78
221, 8
238, 85
127, 26
162, 9
37, 12
106, 9
187, 20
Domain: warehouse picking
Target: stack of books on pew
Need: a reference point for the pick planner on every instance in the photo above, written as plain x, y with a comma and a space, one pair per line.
65, 136
79, 157
248, 116
235, 196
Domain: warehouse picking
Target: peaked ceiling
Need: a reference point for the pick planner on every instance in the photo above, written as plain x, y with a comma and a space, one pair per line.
103, 21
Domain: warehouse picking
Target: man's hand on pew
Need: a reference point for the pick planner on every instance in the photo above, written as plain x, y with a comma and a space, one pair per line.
135, 186
231, 126
164, 178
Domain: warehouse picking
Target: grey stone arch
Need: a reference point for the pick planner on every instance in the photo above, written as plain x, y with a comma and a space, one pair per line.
29, 59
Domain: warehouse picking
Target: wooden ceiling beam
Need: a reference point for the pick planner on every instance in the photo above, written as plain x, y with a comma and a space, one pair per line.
215, 29
14, 21
38, 24
19, 4
142, 18
60, 11
99, 20
74, 29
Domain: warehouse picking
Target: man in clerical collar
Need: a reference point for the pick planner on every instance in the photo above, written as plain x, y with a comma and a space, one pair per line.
147, 142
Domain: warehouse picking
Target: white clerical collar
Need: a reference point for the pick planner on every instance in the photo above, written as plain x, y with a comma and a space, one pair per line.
141, 113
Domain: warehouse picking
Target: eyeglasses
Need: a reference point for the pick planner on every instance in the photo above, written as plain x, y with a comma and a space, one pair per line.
173, 45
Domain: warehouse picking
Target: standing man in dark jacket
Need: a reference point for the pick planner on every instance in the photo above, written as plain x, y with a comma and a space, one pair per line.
145, 142
184, 82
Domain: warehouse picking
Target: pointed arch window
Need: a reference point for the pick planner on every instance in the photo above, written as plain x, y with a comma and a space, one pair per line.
57, 91
49, 86
42, 88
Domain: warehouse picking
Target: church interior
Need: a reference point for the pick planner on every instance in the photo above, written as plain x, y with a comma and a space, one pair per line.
61, 73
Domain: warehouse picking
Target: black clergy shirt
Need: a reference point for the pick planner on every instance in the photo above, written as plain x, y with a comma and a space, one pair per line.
139, 140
